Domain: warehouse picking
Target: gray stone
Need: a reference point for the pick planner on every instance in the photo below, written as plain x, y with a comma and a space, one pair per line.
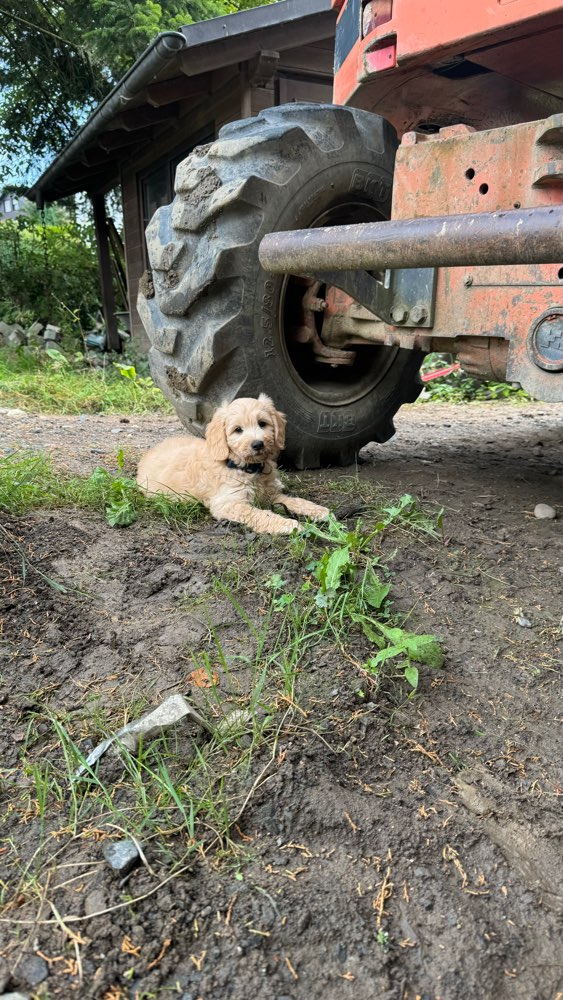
35, 329
14, 996
16, 337
544, 512
121, 855
523, 622
32, 969
52, 332
167, 713
4, 328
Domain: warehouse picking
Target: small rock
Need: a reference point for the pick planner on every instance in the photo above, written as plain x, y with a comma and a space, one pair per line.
121, 855
14, 996
52, 332
124, 420
11, 411
116, 430
32, 969
544, 512
523, 622
16, 337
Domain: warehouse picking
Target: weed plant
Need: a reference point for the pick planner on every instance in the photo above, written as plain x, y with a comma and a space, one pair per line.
457, 387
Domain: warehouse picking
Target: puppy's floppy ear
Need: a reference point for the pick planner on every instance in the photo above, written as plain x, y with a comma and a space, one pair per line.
279, 422
216, 437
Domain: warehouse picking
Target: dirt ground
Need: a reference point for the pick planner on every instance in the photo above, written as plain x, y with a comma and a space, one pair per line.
385, 849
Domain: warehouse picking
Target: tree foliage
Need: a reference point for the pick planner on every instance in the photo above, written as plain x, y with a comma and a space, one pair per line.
44, 267
57, 60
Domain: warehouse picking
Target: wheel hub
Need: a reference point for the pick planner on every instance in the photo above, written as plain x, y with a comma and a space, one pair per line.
305, 331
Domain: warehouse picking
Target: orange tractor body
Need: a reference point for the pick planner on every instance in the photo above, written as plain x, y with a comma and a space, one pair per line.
475, 92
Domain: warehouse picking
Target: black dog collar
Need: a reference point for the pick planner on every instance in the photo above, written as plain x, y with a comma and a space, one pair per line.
253, 469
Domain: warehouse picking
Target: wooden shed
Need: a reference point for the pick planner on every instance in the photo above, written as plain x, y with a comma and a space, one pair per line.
178, 94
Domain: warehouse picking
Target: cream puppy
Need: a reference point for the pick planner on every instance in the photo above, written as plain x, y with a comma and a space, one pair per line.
231, 469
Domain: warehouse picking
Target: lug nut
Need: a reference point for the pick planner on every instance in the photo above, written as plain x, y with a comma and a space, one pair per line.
418, 314
317, 305
399, 314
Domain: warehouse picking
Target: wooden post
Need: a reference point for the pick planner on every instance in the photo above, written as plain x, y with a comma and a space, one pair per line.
245, 92
113, 340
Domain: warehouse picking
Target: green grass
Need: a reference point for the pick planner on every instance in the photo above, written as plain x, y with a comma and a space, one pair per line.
51, 383
184, 792
326, 595
29, 482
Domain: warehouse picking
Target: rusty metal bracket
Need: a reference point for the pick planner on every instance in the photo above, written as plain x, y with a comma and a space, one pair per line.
403, 298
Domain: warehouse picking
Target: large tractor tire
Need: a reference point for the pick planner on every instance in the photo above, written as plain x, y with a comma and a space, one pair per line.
221, 327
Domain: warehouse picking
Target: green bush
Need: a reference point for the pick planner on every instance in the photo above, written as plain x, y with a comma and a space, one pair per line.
457, 387
47, 273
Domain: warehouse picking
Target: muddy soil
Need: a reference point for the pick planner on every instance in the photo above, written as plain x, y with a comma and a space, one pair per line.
381, 848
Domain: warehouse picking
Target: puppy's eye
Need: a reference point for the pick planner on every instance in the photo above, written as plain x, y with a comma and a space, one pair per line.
237, 430
262, 423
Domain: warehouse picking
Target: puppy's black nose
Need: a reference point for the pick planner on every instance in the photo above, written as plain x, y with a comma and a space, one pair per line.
257, 445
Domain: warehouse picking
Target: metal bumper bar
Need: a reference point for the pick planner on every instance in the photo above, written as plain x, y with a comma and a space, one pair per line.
526, 236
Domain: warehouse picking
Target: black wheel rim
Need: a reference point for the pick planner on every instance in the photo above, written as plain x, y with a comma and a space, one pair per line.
341, 385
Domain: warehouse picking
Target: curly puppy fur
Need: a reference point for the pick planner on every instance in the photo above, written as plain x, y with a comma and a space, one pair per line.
231, 469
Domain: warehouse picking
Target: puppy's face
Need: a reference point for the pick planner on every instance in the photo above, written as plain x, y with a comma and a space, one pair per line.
247, 431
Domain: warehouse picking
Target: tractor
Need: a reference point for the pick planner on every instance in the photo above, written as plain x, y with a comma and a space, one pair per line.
318, 252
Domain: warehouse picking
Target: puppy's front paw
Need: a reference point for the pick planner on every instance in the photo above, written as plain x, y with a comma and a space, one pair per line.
288, 526
318, 513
